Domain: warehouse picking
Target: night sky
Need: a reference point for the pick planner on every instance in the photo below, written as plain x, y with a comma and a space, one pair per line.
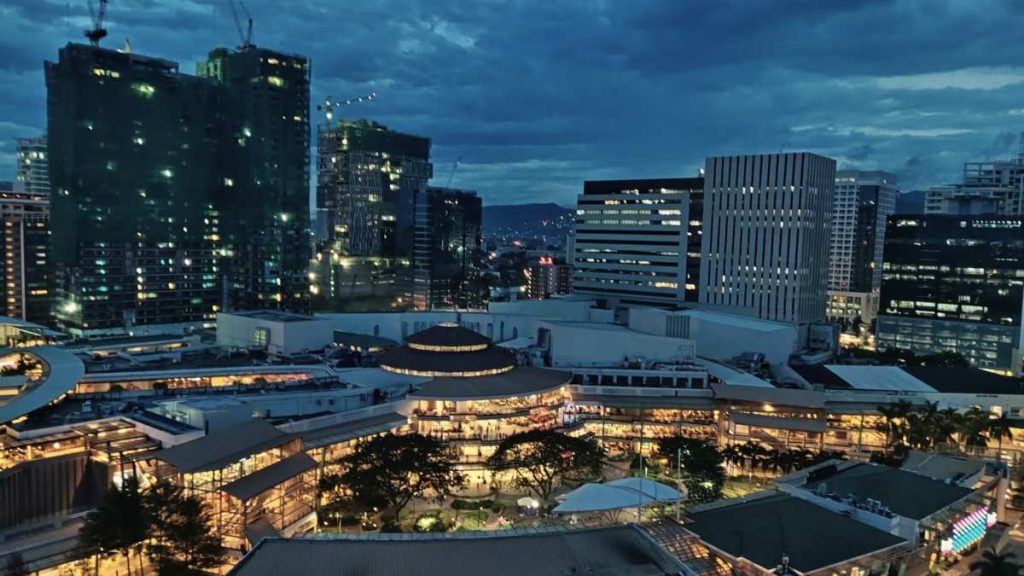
539, 95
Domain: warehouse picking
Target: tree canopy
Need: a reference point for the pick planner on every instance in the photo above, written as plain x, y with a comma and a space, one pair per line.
389, 470
118, 524
702, 466
540, 459
185, 542
993, 563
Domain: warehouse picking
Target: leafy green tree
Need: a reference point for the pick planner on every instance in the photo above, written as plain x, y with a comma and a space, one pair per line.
993, 563
117, 525
389, 470
540, 459
701, 462
185, 542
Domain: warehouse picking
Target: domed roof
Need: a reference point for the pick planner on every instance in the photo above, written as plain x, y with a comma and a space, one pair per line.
448, 337
448, 350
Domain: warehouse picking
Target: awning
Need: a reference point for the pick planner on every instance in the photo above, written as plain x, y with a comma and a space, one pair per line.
259, 530
345, 431
800, 424
247, 487
625, 493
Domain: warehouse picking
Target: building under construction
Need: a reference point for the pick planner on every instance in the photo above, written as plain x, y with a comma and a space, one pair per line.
175, 195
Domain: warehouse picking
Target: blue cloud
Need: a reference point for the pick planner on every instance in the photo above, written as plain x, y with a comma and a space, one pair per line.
537, 96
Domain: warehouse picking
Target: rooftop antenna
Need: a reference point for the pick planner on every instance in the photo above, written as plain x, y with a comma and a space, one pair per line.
244, 35
328, 105
454, 168
97, 32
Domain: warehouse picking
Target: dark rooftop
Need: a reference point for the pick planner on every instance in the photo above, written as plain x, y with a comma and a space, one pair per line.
448, 335
247, 487
763, 529
965, 380
272, 315
822, 376
522, 381
362, 340
348, 430
222, 447
446, 362
618, 551
904, 493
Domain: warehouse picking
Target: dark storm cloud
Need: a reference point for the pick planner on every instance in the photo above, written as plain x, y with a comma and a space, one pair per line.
537, 96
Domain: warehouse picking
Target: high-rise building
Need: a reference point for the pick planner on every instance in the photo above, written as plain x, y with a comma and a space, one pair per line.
364, 170
134, 170
639, 241
861, 203
264, 192
175, 195
24, 243
987, 188
766, 221
953, 284
34, 165
546, 277
447, 249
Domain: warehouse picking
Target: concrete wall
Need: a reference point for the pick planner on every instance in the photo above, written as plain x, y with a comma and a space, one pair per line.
295, 337
719, 336
581, 344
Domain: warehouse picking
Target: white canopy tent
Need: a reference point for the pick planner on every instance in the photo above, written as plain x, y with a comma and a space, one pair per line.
617, 495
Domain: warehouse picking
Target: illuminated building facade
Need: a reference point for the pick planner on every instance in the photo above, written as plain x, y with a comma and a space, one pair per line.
255, 479
34, 165
364, 170
446, 249
24, 243
477, 394
639, 241
765, 249
154, 174
133, 189
263, 187
546, 278
862, 202
953, 284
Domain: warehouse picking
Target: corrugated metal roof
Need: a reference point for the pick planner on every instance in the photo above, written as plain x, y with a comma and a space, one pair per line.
264, 479
222, 447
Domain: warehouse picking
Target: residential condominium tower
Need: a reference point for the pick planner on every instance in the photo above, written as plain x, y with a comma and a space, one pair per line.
264, 185
639, 241
953, 284
766, 235
861, 203
175, 195
24, 221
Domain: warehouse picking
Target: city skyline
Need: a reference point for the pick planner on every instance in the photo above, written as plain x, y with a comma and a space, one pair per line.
557, 94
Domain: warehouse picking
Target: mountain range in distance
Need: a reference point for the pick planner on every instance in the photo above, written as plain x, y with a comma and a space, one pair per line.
522, 217
526, 216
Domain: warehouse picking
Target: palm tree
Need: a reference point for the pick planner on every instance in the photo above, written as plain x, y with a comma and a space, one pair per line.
993, 563
999, 428
973, 425
895, 423
947, 423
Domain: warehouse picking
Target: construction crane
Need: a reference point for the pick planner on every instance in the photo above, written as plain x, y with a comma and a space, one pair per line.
328, 105
454, 168
97, 32
244, 35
